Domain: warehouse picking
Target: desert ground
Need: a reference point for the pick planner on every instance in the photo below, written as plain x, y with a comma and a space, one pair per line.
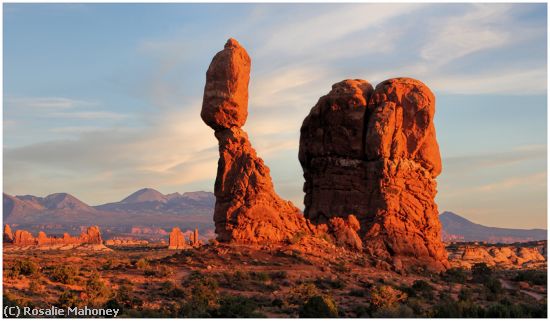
293, 280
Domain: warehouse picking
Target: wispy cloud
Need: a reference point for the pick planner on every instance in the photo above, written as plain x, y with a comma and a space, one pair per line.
46, 102
461, 35
87, 115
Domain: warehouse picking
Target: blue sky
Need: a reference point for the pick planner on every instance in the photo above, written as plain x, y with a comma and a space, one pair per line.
103, 99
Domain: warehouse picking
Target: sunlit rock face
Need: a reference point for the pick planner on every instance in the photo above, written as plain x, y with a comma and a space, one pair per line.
373, 153
247, 208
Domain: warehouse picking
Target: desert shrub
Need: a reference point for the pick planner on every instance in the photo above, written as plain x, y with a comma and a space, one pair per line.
201, 296
455, 275
142, 264
236, 307
328, 283
420, 288
66, 274
96, 290
357, 292
319, 307
259, 276
493, 285
465, 294
35, 286
278, 275
341, 267
395, 311
159, 271
533, 277
302, 292
22, 268
108, 265
481, 272
362, 311
69, 298
461, 309
386, 296
125, 298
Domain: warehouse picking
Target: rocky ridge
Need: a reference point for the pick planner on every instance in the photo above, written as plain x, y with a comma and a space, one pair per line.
89, 240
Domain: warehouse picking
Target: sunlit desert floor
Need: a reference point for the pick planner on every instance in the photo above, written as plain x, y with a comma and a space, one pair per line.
242, 281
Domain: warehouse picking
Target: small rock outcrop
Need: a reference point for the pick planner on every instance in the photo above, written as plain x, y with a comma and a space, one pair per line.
176, 240
247, 208
374, 153
8, 234
505, 256
345, 231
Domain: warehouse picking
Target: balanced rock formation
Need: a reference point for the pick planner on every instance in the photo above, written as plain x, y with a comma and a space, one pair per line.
374, 153
247, 208
8, 234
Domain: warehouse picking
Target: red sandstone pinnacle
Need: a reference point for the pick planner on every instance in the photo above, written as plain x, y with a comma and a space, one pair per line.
247, 208
176, 240
8, 234
388, 182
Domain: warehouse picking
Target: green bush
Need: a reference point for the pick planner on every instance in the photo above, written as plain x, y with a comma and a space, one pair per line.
236, 307
493, 285
533, 277
69, 298
201, 296
96, 290
455, 275
142, 264
302, 292
481, 273
22, 267
319, 307
386, 296
66, 274
395, 311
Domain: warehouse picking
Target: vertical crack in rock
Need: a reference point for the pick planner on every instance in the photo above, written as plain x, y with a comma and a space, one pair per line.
374, 154
247, 208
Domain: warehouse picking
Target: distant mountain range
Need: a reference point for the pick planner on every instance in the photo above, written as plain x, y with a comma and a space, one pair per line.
146, 207
457, 228
150, 208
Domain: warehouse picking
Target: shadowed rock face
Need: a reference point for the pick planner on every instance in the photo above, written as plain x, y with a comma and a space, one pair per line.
373, 153
247, 208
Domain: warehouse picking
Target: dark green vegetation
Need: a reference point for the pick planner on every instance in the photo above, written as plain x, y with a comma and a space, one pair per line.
214, 282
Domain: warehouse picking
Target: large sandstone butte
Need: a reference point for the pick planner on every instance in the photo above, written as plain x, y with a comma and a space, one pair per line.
373, 153
247, 208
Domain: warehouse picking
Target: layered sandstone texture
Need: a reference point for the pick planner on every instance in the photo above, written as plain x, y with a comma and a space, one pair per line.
89, 240
247, 208
373, 153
